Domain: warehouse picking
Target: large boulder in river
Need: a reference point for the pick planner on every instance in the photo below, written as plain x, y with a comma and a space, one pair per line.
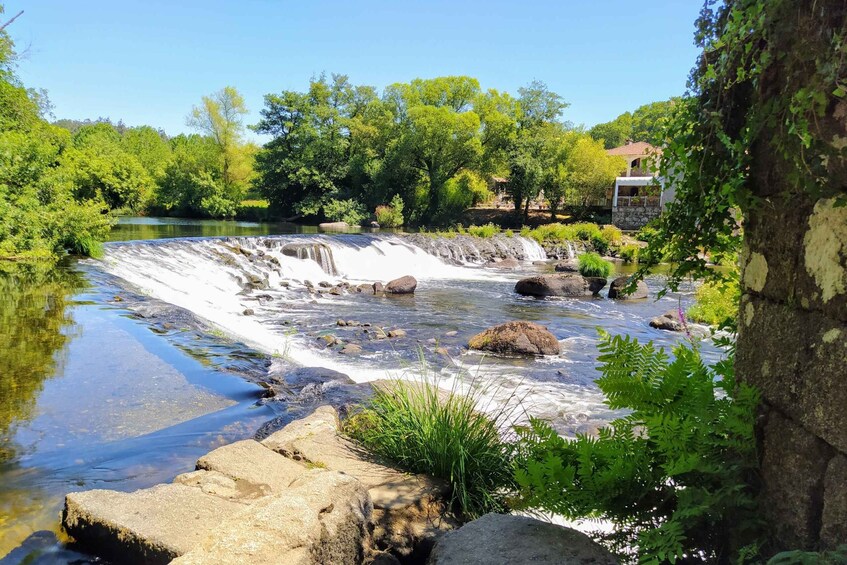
669, 321
564, 284
403, 285
502, 538
516, 338
618, 292
569, 266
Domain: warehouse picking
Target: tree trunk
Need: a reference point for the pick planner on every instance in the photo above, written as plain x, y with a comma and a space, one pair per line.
792, 340
526, 211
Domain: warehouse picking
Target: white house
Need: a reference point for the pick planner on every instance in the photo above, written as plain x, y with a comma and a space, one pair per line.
639, 194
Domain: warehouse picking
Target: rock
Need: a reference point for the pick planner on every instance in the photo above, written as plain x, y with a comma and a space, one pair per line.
403, 285
336, 291
501, 538
378, 288
669, 321
340, 323
351, 349
565, 284
151, 525
442, 351
516, 338
334, 226
397, 333
248, 312
248, 462
375, 225
408, 509
353, 323
312, 376
452, 333
616, 289
324, 284
329, 339
365, 288
323, 518
510, 263
569, 266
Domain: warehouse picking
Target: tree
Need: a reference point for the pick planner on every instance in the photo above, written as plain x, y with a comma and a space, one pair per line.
150, 147
584, 172
221, 117
614, 133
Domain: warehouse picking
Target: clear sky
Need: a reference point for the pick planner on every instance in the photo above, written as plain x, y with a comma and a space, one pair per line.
149, 62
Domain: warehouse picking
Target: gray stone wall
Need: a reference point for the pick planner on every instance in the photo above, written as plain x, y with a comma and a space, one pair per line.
634, 217
792, 344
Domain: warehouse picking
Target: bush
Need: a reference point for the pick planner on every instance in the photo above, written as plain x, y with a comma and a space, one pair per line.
390, 216
612, 235
488, 230
349, 211
672, 475
629, 253
716, 303
424, 429
592, 265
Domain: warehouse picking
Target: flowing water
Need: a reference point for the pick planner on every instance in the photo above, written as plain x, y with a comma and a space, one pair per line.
118, 373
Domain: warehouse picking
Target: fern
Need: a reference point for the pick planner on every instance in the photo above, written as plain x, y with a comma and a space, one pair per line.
673, 474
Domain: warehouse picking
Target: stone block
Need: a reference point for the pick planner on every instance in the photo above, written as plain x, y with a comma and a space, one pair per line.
834, 519
249, 462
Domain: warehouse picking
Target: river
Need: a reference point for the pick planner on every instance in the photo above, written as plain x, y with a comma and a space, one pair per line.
120, 372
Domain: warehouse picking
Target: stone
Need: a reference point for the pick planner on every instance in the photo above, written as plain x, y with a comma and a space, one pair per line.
451, 333
397, 333
669, 321
375, 225
408, 509
442, 351
510, 263
565, 284
334, 226
152, 525
341, 323
834, 519
403, 285
378, 288
248, 312
502, 538
323, 518
793, 466
351, 349
569, 266
616, 290
311, 376
248, 461
329, 339
517, 338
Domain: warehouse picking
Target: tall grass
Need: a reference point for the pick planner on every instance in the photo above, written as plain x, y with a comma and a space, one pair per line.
592, 265
425, 429
716, 304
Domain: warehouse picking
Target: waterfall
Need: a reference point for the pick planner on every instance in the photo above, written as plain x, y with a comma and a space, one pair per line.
571, 252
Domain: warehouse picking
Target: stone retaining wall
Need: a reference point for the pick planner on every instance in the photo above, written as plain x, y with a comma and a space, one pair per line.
634, 217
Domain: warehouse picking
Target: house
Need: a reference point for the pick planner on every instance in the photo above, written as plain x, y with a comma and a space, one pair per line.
639, 194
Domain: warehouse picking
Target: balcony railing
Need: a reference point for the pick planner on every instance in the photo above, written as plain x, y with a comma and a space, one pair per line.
643, 201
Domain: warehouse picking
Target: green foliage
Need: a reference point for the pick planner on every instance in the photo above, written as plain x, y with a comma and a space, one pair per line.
488, 230
629, 253
425, 429
647, 123
592, 265
390, 216
673, 475
348, 211
837, 556
717, 303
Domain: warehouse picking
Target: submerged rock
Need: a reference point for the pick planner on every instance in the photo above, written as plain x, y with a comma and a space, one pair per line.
565, 284
669, 321
509, 263
516, 338
616, 290
334, 226
403, 285
502, 538
351, 349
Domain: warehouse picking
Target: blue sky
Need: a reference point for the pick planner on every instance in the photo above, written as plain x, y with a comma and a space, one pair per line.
149, 62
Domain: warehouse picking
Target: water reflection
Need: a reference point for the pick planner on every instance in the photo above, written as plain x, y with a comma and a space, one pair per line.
35, 327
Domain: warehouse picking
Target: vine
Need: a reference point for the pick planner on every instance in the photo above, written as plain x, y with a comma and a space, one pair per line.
758, 97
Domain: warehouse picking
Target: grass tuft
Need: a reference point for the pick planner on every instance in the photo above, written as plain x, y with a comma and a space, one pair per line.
592, 265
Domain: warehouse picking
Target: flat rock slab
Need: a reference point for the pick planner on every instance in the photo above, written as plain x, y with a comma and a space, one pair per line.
502, 538
322, 518
250, 462
148, 526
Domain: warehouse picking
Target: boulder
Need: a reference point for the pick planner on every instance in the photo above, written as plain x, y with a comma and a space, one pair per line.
351, 349
378, 288
403, 285
501, 538
375, 225
409, 509
616, 290
323, 518
397, 333
334, 226
510, 263
566, 284
669, 321
248, 462
517, 338
569, 266
248, 312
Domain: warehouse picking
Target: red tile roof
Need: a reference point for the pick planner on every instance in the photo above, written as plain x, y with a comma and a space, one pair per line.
637, 148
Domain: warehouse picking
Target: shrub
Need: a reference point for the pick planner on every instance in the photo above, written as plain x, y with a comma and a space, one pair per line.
600, 245
488, 230
612, 235
629, 253
349, 211
592, 265
716, 303
390, 216
672, 475
424, 429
